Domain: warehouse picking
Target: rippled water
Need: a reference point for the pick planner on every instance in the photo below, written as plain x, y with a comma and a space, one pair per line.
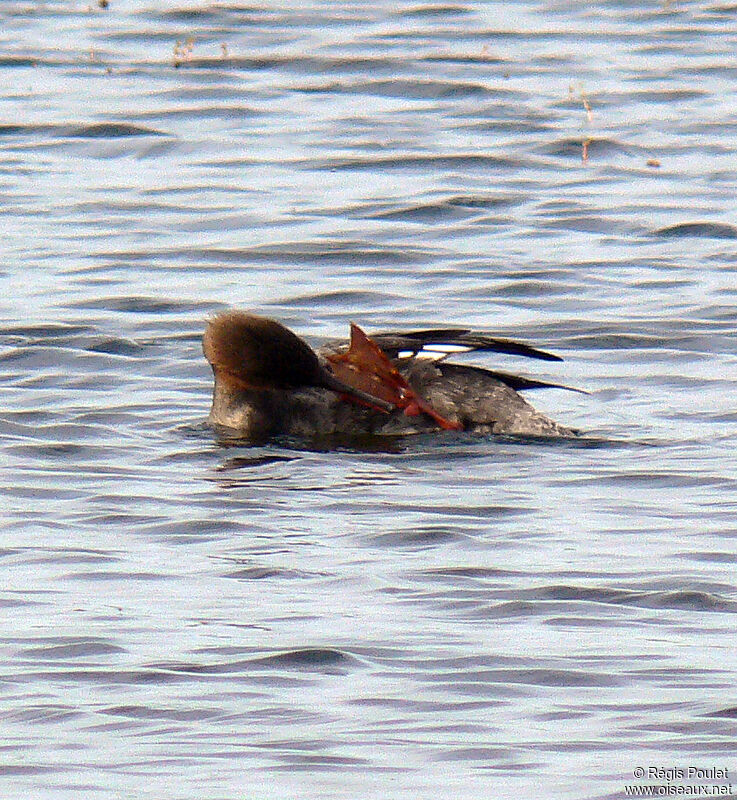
440, 617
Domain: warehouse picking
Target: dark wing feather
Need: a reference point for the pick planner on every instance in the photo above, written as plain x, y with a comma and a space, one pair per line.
413, 342
516, 382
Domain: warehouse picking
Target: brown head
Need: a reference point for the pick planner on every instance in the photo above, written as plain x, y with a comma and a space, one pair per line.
247, 352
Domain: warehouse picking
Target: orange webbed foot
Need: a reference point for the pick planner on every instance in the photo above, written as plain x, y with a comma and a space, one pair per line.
365, 366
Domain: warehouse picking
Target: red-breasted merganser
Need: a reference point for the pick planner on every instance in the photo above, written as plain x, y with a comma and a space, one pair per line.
269, 381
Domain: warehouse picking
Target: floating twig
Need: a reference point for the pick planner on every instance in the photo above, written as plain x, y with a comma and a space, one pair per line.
183, 51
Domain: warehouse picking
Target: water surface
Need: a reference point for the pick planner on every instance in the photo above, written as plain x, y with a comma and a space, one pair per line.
440, 617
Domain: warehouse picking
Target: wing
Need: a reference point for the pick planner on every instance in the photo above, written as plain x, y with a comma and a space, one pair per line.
440, 343
516, 382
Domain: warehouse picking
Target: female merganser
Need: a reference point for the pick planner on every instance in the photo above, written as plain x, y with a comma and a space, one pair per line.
269, 381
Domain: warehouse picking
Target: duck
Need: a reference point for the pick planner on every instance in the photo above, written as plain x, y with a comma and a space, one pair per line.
268, 381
